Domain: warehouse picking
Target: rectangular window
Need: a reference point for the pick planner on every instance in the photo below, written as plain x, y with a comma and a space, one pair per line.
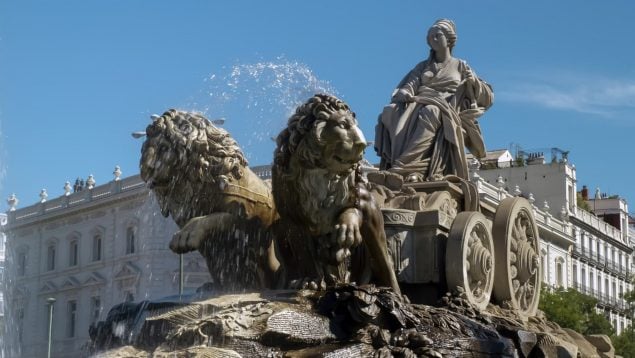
72, 318
613, 290
130, 240
20, 319
575, 274
128, 296
559, 274
95, 309
21, 264
74, 253
97, 248
50, 258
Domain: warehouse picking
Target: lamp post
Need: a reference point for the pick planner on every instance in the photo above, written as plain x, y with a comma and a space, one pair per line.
50, 301
180, 275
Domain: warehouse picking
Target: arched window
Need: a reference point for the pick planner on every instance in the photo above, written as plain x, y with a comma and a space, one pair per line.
130, 240
50, 257
73, 254
97, 247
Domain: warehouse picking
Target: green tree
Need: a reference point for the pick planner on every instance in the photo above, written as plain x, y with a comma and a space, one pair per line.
624, 344
572, 309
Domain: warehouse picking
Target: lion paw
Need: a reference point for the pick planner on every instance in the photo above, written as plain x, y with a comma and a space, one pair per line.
307, 284
347, 233
190, 237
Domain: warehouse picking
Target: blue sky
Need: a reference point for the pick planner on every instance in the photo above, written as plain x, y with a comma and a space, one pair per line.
77, 77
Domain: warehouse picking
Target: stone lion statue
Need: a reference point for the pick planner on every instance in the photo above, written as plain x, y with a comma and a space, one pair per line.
330, 228
201, 178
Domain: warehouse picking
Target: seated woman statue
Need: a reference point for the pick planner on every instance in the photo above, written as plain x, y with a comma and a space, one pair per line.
423, 133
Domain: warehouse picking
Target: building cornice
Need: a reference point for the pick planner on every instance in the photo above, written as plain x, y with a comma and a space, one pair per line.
64, 206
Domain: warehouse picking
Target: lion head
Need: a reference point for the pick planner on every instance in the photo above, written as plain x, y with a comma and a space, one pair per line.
323, 133
187, 161
316, 162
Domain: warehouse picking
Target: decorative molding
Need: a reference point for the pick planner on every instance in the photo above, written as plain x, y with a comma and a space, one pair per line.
48, 287
394, 217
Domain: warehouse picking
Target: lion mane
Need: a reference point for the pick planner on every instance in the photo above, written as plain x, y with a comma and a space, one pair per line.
196, 171
189, 163
298, 192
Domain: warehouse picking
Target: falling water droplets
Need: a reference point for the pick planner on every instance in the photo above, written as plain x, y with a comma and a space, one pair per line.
257, 99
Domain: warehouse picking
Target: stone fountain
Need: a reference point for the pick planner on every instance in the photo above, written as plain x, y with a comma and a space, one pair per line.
334, 259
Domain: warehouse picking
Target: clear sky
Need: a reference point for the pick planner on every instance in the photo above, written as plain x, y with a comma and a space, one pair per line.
77, 77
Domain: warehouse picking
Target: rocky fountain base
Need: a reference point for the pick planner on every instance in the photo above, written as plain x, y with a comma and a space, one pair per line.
346, 321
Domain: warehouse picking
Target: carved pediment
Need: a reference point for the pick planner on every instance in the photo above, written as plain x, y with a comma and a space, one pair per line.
192, 266
95, 279
70, 283
48, 286
127, 271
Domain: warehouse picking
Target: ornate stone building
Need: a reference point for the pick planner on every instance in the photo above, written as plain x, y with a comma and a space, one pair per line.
593, 254
3, 237
88, 250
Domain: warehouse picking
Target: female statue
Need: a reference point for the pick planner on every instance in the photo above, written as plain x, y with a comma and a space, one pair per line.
423, 133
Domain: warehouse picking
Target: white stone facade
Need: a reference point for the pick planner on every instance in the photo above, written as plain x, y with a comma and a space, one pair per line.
592, 256
88, 250
3, 237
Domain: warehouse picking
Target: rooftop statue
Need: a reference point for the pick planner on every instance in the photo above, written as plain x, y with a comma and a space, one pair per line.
422, 134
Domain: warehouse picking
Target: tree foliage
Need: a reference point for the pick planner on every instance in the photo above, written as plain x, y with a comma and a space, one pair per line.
624, 344
572, 309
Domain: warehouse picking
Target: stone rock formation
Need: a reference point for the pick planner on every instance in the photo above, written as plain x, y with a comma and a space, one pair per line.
345, 321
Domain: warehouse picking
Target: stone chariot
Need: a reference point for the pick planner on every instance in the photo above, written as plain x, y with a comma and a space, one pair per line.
442, 240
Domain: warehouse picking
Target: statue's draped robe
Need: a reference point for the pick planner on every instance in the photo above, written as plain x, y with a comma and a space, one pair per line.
429, 136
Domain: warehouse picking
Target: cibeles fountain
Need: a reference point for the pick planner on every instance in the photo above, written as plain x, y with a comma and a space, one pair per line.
334, 258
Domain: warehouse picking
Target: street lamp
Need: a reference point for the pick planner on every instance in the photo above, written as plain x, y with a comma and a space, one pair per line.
50, 301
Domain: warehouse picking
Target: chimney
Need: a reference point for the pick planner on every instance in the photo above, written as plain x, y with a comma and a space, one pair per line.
585, 192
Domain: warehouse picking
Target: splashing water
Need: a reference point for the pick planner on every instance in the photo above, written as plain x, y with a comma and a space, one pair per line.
258, 95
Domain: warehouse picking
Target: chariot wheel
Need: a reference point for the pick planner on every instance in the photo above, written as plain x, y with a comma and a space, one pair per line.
518, 278
469, 258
